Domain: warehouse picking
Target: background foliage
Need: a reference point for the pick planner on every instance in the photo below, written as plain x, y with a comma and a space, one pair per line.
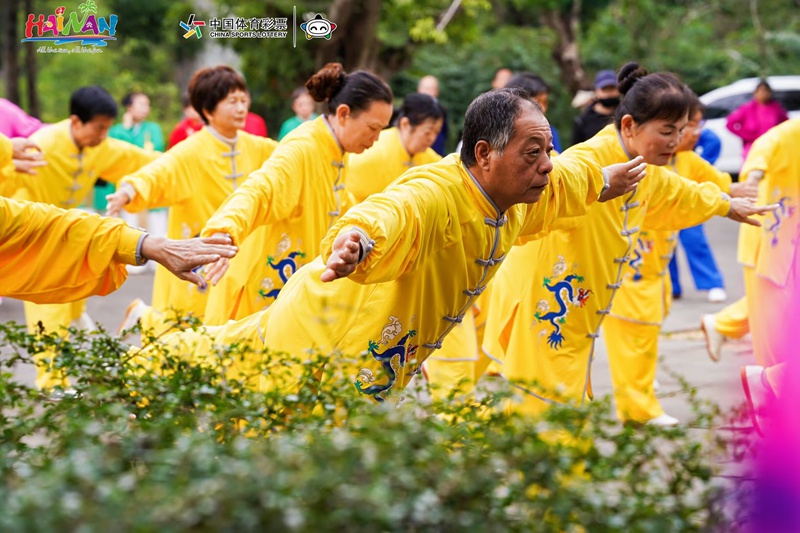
709, 43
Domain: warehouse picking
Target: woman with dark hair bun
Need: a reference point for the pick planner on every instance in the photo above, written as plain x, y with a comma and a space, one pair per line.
643, 302
406, 145
286, 207
548, 336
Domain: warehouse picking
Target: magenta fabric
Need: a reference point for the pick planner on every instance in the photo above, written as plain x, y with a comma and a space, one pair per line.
14, 122
751, 120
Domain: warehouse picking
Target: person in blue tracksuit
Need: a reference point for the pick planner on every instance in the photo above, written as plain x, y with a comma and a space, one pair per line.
702, 264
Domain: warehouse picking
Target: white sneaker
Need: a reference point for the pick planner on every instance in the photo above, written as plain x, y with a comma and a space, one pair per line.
714, 339
759, 396
84, 322
133, 313
664, 421
717, 295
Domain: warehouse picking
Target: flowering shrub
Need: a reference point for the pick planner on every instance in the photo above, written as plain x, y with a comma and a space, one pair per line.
187, 449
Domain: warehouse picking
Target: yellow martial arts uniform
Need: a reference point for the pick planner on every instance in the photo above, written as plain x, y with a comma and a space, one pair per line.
773, 304
6, 151
570, 288
376, 167
193, 179
48, 255
67, 178
642, 303
385, 319
371, 172
281, 212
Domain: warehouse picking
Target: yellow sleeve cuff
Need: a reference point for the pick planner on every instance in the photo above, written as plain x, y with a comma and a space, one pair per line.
129, 248
724, 205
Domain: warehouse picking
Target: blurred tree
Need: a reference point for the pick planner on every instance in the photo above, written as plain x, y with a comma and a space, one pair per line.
11, 16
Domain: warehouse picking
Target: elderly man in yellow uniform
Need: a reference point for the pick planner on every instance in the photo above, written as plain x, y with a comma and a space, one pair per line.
193, 179
77, 152
414, 258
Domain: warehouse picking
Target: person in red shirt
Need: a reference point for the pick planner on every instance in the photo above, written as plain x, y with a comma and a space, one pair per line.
254, 125
190, 124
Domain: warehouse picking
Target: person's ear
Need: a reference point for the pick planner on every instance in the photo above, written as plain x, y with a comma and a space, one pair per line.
404, 123
627, 126
483, 152
342, 112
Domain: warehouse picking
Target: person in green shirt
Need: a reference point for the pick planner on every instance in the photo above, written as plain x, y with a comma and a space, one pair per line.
303, 107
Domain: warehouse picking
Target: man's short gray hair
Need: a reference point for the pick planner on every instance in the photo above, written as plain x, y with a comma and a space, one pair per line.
490, 117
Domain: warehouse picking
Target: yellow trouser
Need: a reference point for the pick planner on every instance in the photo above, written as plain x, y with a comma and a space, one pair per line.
54, 318
633, 357
733, 321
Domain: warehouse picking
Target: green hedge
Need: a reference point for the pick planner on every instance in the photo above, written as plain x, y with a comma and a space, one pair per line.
186, 450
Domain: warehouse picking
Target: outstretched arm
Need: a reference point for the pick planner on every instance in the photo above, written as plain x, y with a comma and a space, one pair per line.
49, 255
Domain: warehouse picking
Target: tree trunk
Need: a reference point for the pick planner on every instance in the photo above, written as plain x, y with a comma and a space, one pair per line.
566, 51
30, 72
354, 42
11, 51
760, 37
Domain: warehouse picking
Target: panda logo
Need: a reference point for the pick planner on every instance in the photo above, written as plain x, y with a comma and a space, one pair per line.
318, 28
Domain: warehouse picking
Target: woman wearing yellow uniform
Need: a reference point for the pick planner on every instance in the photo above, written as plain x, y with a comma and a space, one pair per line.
551, 337
406, 145
418, 255
77, 152
194, 178
297, 194
643, 301
776, 282
733, 322
774, 295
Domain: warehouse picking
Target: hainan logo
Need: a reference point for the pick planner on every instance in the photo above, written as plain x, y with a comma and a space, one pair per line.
318, 28
192, 27
82, 26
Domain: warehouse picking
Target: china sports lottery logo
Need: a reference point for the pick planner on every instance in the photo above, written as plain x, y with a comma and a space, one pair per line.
192, 27
318, 28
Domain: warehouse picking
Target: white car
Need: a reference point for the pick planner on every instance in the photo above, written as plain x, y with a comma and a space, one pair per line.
721, 102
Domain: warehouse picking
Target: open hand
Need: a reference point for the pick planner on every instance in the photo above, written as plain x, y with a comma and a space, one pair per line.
27, 155
623, 178
344, 258
182, 257
116, 201
742, 209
